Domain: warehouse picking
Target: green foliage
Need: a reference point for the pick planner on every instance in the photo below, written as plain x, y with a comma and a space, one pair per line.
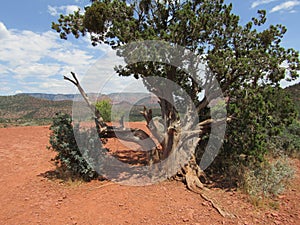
104, 107
294, 92
257, 130
134, 113
69, 157
257, 115
287, 142
239, 55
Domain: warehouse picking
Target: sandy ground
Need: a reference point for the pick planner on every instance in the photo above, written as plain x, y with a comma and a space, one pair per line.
27, 196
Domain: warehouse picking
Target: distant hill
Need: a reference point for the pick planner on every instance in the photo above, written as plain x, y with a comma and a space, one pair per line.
294, 92
40, 108
61, 97
52, 97
23, 109
116, 98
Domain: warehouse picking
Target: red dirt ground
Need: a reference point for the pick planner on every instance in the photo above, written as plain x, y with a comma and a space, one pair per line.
28, 197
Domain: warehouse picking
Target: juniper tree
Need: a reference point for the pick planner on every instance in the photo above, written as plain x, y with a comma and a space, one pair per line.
246, 60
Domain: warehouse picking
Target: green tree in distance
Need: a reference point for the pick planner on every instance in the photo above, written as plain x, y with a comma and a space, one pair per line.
104, 106
245, 59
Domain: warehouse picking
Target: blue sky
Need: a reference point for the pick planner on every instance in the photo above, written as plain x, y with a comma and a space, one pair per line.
33, 58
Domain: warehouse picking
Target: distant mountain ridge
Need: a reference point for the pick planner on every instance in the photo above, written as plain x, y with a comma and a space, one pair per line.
40, 108
294, 92
116, 98
51, 97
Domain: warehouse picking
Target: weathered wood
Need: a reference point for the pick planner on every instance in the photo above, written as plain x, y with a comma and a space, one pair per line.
104, 131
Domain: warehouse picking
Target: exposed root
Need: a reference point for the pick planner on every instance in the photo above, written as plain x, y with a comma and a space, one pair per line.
192, 180
217, 206
194, 184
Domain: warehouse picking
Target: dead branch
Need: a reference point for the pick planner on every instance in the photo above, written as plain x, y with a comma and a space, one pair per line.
209, 122
151, 125
98, 118
104, 131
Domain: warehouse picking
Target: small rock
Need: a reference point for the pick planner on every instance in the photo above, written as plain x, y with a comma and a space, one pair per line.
277, 222
204, 203
185, 220
281, 196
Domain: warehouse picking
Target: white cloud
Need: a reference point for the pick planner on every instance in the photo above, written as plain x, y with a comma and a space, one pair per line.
36, 70
22, 47
65, 9
3, 31
286, 6
35, 62
261, 2
52, 10
71, 8
18, 92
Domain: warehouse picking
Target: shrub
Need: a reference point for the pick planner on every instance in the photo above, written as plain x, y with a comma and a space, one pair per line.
257, 128
268, 180
288, 142
104, 106
69, 157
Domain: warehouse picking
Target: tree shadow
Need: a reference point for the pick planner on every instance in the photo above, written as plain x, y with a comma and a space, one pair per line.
131, 157
222, 182
59, 174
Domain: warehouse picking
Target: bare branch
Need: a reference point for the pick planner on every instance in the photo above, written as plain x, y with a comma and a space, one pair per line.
104, 131
98, 117
74, 76
152, 124
66, 78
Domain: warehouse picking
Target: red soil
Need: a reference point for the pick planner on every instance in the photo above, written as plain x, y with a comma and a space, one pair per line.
28, 197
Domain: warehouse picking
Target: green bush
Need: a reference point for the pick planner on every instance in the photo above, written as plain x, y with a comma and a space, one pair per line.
267, 180
69, 157
104, 106
262, 122
288, 142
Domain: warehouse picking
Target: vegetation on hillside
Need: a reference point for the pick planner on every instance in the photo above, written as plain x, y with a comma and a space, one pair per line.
294, 93
27, 110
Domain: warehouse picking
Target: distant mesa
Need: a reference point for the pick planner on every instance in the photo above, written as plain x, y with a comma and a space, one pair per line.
117, 98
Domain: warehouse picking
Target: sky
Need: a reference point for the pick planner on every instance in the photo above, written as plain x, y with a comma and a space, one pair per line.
34, 59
